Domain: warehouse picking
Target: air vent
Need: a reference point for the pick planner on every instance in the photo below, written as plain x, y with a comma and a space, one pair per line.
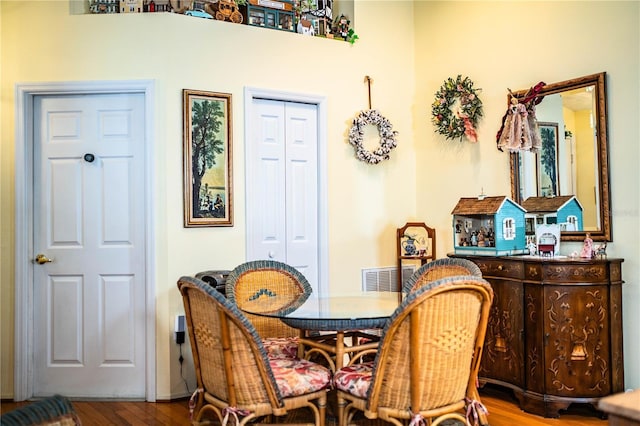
384, 279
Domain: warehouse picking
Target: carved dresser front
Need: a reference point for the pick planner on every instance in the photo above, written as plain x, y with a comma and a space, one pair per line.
555, 330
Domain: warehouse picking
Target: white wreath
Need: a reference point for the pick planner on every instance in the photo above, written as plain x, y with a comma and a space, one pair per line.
385, 129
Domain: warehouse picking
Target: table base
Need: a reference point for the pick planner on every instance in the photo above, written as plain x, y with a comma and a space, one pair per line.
333, 348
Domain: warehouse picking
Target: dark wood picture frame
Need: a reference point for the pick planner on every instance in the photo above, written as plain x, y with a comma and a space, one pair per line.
548, 160
207, 159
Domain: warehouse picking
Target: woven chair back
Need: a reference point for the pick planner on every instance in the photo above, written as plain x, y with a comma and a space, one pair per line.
430, 353
230, 362
440, 268
56, 410
252, 286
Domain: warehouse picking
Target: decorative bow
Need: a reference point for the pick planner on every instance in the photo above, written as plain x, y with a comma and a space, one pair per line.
469, 131
476, 413
233, 411
192, 402
417, 420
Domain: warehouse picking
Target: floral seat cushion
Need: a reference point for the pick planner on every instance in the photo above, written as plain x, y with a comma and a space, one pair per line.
354, 379
281, 347
298, 376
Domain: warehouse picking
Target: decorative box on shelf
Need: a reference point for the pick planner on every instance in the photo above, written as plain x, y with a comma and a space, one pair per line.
319, 13
104, 6
131, 6
275, 14
490, 226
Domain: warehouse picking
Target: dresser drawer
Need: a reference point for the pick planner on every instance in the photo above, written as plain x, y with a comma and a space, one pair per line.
575, 273
500, 268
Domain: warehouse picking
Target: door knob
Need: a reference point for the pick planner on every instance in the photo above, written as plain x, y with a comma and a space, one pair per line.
89, 158
272, 255
42, 259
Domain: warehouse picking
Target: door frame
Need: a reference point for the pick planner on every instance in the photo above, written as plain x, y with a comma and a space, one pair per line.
251, 93
24, 155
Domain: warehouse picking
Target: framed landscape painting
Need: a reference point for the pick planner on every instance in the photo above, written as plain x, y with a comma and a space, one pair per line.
208, 190
548, 160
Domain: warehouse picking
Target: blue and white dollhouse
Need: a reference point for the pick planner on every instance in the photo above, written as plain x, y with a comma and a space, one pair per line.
564, 210
491, 226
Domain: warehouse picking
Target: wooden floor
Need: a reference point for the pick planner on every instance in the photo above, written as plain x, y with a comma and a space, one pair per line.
503, 411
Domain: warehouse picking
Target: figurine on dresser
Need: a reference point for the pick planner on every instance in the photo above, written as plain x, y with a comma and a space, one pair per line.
587, 247
531, 245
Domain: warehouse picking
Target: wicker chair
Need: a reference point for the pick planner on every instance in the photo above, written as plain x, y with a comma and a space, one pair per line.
236, 378
251, 285
56, 410
440, 268
427, 364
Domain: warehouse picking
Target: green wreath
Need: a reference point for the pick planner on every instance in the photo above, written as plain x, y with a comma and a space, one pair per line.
457, 109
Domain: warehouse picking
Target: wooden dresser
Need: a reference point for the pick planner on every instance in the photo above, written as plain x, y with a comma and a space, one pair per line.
555, 331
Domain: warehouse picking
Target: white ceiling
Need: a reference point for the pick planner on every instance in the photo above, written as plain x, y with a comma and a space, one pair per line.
578, 100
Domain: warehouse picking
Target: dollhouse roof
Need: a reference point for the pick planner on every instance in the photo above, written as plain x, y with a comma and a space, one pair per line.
486, 205
548, 204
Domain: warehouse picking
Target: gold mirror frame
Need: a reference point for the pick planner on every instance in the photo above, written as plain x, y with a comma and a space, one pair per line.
603, 233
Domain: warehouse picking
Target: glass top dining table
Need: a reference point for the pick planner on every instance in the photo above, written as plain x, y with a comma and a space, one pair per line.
346, 317
368, 309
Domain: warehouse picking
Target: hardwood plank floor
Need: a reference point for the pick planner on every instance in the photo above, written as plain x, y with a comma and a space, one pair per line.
502, 406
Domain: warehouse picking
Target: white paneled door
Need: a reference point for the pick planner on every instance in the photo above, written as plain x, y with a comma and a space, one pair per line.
282, 185
89, 235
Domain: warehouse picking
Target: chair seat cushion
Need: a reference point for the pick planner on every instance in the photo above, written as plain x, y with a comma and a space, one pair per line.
354, 379
298, 376
281, 347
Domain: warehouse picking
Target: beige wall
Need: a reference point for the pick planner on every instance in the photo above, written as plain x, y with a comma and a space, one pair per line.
407, 48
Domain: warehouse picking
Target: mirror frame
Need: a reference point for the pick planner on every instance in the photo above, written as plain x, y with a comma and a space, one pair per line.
597, 80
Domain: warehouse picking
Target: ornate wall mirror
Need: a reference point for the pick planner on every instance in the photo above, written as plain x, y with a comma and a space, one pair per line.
573, 160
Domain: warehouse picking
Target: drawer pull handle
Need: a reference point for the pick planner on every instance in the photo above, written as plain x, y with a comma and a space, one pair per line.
500, 267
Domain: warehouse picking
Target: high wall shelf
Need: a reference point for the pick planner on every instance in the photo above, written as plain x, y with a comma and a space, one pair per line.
424, 245
271, 14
